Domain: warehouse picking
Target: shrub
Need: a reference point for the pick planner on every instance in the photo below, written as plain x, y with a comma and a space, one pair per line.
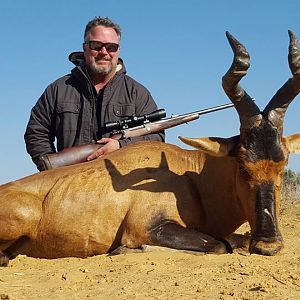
291, 185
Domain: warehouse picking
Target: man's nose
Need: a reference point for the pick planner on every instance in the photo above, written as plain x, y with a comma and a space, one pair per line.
103, 50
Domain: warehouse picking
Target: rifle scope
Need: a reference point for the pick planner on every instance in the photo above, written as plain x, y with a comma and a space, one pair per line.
135, 121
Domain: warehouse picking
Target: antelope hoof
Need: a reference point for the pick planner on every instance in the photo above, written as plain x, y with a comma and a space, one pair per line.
265, 248
4, 260
221, 247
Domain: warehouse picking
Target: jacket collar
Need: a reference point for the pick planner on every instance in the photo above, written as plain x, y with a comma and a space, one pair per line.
81, 74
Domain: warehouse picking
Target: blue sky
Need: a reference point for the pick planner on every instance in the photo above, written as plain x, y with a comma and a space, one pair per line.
177, 49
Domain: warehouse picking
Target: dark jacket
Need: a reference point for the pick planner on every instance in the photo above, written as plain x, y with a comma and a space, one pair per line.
66, 110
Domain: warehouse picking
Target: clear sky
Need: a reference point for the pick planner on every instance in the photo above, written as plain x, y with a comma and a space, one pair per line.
177, 49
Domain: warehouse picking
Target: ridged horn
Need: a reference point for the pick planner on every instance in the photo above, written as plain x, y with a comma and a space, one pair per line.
247, 110
276, 108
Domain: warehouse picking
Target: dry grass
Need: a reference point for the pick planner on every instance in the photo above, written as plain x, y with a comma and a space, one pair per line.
291, 187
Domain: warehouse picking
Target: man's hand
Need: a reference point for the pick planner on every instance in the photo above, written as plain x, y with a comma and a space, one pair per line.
110, 145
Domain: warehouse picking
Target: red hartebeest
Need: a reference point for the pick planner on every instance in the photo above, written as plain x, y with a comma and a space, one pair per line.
158, 194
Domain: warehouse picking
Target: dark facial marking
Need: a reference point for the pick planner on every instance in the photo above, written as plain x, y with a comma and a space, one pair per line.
265, 210
263, 143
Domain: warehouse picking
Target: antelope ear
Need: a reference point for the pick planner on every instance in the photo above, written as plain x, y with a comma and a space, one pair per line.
213, 146
293, 143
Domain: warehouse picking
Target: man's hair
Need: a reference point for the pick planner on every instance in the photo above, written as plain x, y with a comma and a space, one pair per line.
105, 22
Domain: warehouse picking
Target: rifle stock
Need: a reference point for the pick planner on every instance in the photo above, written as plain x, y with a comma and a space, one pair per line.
68, 156
79, 154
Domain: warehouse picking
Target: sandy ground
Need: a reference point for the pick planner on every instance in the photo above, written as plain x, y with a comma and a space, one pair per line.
163, 275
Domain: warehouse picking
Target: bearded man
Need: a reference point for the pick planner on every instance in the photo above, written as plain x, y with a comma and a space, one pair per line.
74, 109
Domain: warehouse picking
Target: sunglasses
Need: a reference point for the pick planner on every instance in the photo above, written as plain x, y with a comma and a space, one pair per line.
97, 46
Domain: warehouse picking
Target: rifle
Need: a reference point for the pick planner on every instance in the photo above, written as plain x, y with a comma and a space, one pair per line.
127, 128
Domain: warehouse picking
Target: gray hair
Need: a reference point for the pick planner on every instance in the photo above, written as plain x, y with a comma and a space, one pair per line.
105, 22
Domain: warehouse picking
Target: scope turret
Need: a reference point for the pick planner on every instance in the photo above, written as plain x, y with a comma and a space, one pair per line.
134, 121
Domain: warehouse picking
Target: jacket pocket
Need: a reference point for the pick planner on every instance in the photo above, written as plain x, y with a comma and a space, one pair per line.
66, 123
116, 112
67, 107
121, 111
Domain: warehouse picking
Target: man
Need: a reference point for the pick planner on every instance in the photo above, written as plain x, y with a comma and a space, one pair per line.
74, 108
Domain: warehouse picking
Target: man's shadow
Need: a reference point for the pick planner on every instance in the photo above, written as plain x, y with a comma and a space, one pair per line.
159, 180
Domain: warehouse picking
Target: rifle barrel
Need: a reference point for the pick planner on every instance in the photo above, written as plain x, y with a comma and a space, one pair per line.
176, 120
211, 109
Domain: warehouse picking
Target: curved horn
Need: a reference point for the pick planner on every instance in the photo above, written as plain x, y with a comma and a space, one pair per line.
278, 105
248, 111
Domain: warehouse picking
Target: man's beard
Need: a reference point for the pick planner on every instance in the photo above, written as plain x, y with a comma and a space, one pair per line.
101, 70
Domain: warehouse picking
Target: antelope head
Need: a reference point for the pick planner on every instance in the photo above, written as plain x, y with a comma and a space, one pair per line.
261, 150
